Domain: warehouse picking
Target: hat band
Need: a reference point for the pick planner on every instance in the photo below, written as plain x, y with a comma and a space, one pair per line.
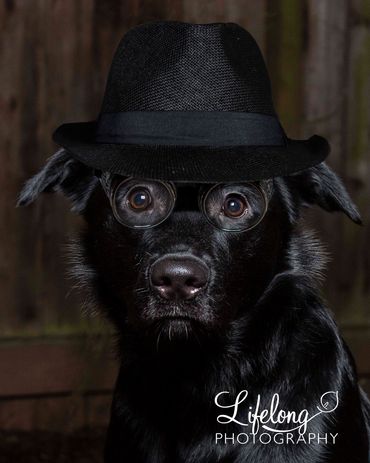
190, 128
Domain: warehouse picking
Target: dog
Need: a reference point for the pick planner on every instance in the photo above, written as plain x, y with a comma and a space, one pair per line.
211, 323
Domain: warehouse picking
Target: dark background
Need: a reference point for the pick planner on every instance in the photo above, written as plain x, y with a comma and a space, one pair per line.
56, 366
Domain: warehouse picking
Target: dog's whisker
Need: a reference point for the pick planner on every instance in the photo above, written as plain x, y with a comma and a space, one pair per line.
142, 290
158, 339
169, 333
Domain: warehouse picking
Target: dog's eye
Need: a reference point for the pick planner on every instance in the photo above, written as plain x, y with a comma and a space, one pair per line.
139, 199
235, 206
142, 203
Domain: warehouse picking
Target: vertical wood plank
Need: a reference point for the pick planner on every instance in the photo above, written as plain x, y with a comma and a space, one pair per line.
285, 41
326, 72
325, 103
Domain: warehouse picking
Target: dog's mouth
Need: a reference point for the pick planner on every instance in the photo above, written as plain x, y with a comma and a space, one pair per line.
172, 322
175, 324
159, 311
176, 318
173, 319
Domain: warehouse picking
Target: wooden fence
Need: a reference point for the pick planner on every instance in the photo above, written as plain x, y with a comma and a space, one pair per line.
54, 59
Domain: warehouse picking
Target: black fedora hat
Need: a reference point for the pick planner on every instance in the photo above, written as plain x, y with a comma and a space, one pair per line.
189, 102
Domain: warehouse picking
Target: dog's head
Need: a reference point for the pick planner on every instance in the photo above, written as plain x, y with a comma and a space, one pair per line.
203, 264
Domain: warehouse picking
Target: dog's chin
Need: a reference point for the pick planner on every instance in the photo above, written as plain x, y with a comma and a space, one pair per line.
175, 331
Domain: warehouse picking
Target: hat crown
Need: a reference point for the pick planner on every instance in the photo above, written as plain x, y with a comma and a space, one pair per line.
189, 103
175, 66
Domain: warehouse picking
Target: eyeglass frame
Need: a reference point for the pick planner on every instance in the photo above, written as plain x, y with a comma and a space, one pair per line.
171, 188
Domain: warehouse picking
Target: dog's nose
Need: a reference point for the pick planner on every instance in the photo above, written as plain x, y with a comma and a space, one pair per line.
178, 277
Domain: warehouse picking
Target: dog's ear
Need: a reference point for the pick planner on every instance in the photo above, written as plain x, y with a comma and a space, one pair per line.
320, 185
61, 173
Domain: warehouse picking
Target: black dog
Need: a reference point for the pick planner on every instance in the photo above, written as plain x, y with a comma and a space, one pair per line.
200, 311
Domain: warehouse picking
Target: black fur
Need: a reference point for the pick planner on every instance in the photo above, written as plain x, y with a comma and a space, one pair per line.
260, 325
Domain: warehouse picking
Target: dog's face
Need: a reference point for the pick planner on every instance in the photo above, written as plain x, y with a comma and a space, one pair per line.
184, 278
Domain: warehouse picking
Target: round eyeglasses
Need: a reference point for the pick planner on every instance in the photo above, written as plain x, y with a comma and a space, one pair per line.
144, 204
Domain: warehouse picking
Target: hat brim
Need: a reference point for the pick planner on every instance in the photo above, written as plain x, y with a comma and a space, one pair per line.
190, 163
